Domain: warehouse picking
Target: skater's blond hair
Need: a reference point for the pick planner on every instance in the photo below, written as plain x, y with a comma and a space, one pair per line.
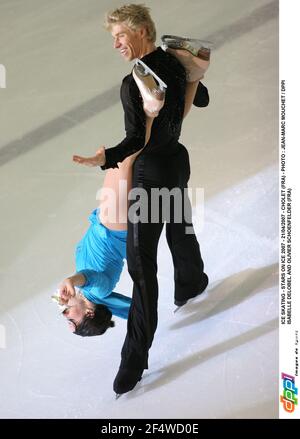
134, 16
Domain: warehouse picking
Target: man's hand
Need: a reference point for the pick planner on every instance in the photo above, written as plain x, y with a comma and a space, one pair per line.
97, 160
66, 291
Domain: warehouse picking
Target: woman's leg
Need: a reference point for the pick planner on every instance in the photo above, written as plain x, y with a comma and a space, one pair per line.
116, 186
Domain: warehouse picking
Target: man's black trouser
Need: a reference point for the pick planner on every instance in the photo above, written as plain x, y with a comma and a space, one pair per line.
158, 171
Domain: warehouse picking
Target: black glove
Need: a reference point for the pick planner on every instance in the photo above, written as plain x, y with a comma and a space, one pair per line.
201, 97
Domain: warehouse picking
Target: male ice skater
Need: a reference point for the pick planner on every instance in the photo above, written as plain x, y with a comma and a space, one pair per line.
163, 163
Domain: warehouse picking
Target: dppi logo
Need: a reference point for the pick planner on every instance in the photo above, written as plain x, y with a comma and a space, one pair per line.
2, 76
288, 398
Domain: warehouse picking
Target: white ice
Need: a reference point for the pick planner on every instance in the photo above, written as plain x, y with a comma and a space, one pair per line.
218, 356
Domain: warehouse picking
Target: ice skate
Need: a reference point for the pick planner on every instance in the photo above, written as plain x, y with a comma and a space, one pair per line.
180, 303
152, 88
126, 380
193, 54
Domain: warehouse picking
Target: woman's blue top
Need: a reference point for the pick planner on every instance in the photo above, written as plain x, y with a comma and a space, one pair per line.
100, 258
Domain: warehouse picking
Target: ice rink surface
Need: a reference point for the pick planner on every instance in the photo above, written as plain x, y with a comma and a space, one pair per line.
218, 356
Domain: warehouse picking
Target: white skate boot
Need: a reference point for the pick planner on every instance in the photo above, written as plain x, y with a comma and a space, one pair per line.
193, 54
152, 88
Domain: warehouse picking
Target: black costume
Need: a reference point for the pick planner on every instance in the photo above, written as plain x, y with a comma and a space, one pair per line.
164, 162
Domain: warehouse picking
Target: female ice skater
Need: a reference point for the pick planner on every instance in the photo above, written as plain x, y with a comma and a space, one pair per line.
100, 257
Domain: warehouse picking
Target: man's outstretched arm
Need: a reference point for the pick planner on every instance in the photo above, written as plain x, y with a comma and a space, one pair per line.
138, 131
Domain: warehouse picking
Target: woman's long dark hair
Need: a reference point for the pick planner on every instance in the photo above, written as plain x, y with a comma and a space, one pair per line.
96, 325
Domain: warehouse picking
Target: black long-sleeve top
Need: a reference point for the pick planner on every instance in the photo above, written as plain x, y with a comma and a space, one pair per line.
166, 126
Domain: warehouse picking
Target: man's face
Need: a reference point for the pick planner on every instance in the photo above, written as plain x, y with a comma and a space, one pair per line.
128, 42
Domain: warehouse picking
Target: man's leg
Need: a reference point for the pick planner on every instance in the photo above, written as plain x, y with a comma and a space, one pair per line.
189, 277
142, 266
142, 242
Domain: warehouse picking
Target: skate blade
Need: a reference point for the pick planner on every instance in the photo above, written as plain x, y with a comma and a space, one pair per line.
169, 40
147, 70
152, 92
118, 395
